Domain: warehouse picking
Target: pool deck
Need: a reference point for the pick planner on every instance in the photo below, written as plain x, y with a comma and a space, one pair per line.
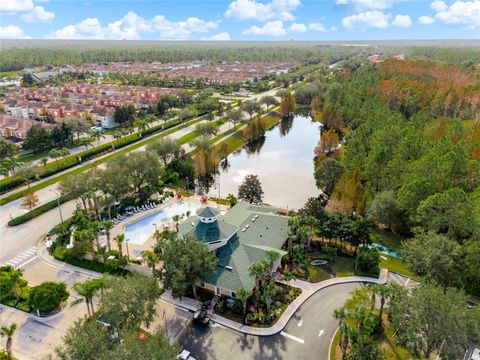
136, 249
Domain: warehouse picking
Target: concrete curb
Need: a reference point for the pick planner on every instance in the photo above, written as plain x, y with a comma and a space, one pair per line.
42, 319
331, 343
59, 264
289, 312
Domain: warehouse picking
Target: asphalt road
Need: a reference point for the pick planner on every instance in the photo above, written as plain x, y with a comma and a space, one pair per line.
306, 336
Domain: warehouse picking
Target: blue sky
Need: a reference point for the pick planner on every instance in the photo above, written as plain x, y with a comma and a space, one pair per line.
240, 19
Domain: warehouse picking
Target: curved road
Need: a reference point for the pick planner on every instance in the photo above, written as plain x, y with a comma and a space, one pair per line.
307, 335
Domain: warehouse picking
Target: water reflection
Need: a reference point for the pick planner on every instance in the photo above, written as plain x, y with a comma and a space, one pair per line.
282, 159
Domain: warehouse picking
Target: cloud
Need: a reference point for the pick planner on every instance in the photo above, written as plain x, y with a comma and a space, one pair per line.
426, 20
271, 28
297, 28
402, 21
13, 6
253, 10
361, 5
438, 6
466, 13
369, 19
317, 27
223, 36
12, 32
38, 14
132, 26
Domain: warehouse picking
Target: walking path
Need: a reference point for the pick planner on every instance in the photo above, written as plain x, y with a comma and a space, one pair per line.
308, 289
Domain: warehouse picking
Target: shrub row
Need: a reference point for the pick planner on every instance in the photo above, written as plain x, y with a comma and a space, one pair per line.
38, 211
52, 168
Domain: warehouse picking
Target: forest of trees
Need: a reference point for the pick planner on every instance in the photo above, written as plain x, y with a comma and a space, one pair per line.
15, 58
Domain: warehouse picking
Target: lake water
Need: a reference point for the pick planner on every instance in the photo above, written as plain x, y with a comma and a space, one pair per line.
283, 161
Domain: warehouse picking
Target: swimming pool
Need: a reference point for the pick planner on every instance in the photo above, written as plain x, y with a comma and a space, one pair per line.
137, 232
386, 250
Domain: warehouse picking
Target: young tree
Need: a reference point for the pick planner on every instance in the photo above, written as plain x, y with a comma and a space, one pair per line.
268, 101
124, 115
327, 173
251, 107
251, 190
186, 262
436, 258
425, 318
30, 201
365, 348
368, 260
384, 210
166, 148
206, 129
235, 116
287, 105
8, 331
130, 301
150, 259
79, 126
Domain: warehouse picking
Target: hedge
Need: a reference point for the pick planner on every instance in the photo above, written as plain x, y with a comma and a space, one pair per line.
73, 160
38, 211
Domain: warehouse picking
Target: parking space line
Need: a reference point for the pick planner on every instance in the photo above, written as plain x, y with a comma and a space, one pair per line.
294, 338
26, 262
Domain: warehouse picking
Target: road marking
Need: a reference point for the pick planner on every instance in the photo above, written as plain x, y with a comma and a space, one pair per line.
300, 323
294, 338
321, 332
26, 262
30, 252
395, 278
406, 282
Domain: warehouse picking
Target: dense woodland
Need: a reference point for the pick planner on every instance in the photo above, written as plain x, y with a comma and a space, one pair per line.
411, 160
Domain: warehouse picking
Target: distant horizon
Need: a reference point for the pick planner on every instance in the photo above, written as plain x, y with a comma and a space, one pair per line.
241, 20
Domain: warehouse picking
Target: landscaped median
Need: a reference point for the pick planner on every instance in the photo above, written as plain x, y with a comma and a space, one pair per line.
308, 290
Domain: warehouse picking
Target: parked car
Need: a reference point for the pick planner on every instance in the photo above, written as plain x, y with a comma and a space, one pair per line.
201, 317
185, 355
96, 128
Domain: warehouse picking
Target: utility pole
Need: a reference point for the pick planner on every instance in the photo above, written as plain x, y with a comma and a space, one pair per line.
58, 203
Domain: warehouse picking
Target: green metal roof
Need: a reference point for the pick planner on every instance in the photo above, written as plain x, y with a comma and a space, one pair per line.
267, 232
207, 212
206, 232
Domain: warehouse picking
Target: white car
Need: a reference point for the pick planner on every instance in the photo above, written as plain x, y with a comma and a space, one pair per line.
96, 128
184, 355
475, 354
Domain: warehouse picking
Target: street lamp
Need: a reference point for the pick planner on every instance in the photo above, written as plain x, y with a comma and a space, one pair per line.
58, 202
128, 253
155, 227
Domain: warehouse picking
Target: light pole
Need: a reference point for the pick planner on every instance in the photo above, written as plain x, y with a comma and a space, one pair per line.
155, 227
128, 253
58, 202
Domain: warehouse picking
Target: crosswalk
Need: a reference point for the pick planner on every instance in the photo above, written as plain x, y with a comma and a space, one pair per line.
24, 258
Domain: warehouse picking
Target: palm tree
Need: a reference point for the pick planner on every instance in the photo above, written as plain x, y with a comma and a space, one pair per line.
340, 315
150, 259
107, 226
97, 134
176, 218
269, 292
120, 239
288, 276
8, 331
257, 270
86, 292
384, 292
243, 295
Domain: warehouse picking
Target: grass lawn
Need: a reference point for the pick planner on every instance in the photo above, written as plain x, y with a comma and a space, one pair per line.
338, 267
344, 266
396, 265
317, 274
388, 239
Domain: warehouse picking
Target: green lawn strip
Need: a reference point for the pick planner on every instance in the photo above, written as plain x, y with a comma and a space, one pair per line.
125, 150
334, 344
344, 266
397, 265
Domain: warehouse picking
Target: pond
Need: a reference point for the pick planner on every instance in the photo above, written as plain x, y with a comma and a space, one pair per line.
283, 161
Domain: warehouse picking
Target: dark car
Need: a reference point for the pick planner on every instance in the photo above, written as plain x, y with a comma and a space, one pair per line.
201, 317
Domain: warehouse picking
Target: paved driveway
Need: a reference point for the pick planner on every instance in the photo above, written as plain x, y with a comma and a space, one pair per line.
306, 336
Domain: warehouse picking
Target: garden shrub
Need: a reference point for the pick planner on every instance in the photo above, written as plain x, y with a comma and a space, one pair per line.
48, 296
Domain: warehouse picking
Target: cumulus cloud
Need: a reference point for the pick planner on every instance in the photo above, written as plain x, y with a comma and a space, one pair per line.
466, 13
38, 14
131, 27
438, 6
426, 20
361, 5
12, 32
297, 28
253, 10
223, 36
317, 27
271, 28
368, 19
12, 6
402, 21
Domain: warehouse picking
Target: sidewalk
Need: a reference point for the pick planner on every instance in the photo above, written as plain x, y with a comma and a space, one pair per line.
308, 289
